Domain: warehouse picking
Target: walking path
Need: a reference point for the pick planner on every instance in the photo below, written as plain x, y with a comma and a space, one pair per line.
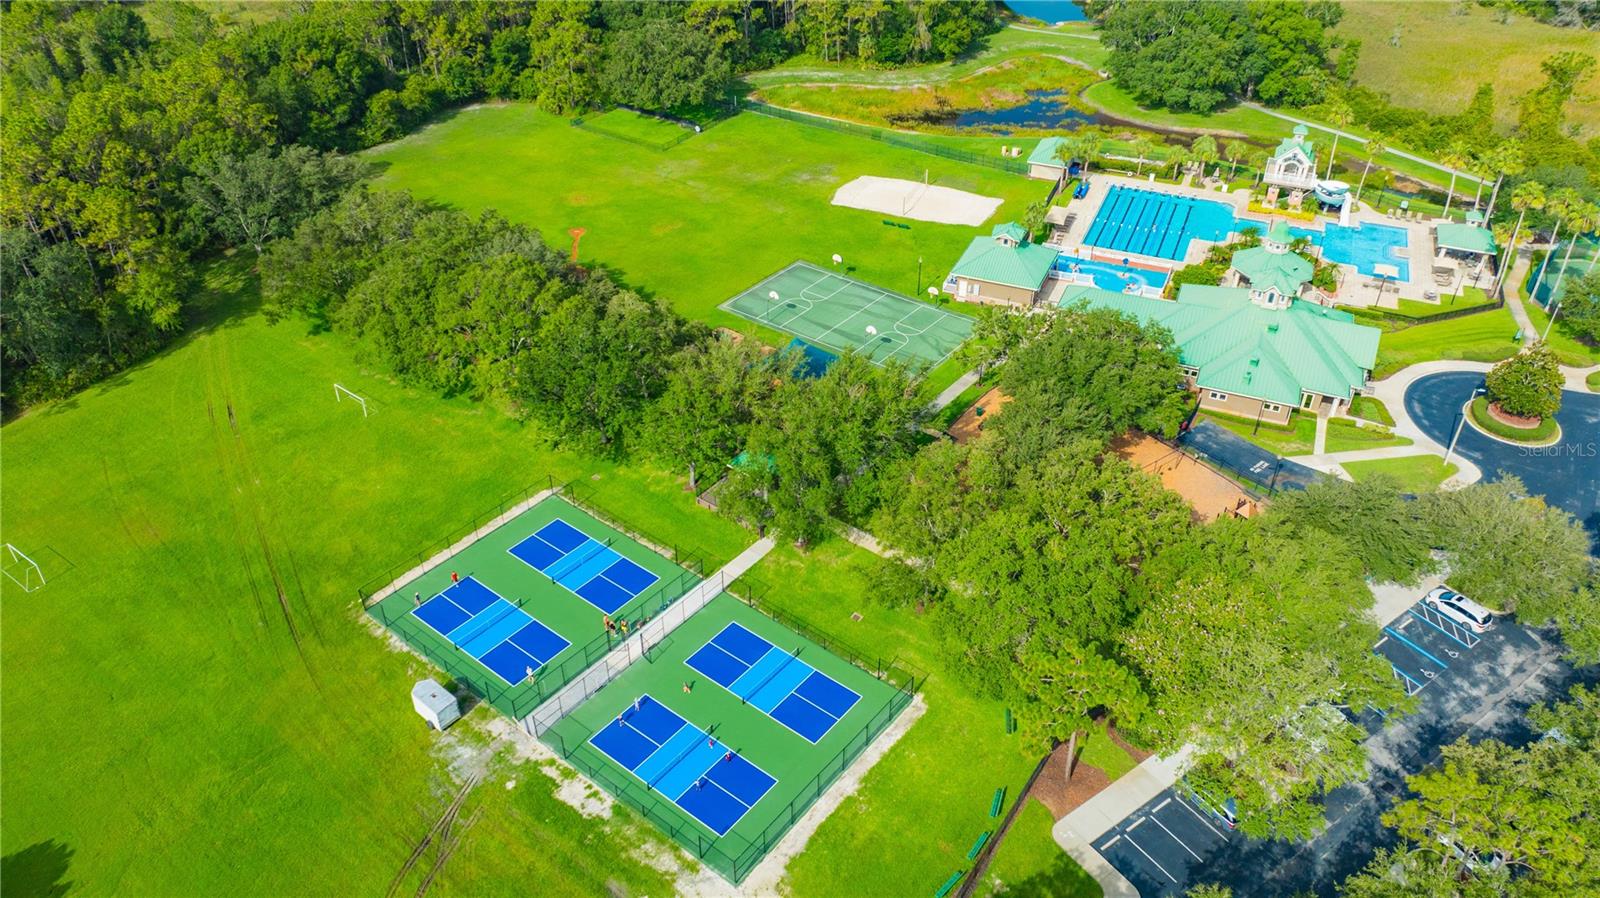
645, 638
1391, 391
949, 394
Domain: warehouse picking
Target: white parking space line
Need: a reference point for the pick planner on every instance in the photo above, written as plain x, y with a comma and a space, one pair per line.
1202, 818
1176, 839
1148, 857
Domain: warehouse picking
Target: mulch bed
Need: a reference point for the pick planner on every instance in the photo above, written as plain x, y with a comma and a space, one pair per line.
1060, 797
1510, 420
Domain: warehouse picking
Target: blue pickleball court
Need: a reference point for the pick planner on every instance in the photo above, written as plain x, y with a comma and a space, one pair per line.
589, 568
708, 780
785, 688
501, 636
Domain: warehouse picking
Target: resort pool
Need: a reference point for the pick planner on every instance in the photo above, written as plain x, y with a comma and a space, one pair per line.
1365, 246
1108, 276
1132, 220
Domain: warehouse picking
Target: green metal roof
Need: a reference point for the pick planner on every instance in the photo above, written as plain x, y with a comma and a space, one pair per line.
1297, 142
1009, 229
1280, 233
1266, 269
1025, 265
1470, 238
1240, 347
1047, 153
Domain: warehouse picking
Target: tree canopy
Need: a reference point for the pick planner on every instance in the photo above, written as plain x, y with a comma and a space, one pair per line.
1528, 384
1196, 57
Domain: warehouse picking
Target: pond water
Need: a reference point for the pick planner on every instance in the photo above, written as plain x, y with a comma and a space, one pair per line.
1045, 110
1048, 11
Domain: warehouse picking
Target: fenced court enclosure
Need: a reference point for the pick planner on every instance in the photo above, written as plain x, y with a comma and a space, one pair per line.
531, 594
840, 313
778, 683
725, 778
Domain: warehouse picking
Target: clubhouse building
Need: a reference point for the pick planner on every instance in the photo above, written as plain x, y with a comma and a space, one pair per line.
1250, 352
1003, 268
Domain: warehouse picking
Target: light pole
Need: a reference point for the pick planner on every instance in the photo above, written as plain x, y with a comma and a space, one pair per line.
1465, 410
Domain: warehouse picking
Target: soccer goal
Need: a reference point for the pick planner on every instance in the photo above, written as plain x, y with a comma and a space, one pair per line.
21, 569
341, 393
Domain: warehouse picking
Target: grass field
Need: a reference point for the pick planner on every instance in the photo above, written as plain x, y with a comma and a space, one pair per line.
1482, 337
1372, 409
1344, 436
196, 673
1005, 45
1414, 473
702, 221
1296, 439
1425, 70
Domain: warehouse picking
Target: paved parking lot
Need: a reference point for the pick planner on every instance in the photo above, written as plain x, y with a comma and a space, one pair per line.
1464, 683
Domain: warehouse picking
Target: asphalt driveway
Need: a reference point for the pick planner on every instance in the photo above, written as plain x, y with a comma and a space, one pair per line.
1566, 474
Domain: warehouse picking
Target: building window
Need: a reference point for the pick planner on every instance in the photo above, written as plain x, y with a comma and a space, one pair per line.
1271, 407
972, 287
1191, 372
1308, 401
1220, 397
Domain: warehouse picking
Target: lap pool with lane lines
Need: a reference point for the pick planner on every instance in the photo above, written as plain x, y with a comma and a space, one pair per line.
785, 688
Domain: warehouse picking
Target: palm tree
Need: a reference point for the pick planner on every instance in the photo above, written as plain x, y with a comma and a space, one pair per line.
1258, 161
1087, 148
1143, 147
1455, 158
1233, 152
1376, 146
1203, 151
1562, 204
1581, 217
1340, 115
1525, 196
1508, 160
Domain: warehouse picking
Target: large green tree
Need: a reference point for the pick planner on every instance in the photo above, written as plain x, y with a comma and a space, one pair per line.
1509, 550
1527, 384
1502, 821
663, 64
1092, 372
1388, 536
257, 198
1252, 641
715, 392
818, 451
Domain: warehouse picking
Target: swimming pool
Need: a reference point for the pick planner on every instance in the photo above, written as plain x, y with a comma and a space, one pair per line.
1108, 276
1133, 220
1365, 246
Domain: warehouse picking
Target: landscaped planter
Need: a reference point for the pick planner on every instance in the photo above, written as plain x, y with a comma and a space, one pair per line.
1491, 420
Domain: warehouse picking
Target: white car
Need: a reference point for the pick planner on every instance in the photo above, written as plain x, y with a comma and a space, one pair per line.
1459, 608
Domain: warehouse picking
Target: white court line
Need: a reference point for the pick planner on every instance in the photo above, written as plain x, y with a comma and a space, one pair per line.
841, 322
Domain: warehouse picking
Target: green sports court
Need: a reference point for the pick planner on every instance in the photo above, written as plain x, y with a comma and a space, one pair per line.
770, 719
531, 595
842, 314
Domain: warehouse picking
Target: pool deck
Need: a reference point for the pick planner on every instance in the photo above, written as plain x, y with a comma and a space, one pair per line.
1355, 289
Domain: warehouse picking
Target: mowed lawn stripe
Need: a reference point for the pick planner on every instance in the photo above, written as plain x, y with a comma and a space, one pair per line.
697, 223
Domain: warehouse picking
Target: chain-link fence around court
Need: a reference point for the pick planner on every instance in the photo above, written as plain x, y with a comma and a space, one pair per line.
732, 855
